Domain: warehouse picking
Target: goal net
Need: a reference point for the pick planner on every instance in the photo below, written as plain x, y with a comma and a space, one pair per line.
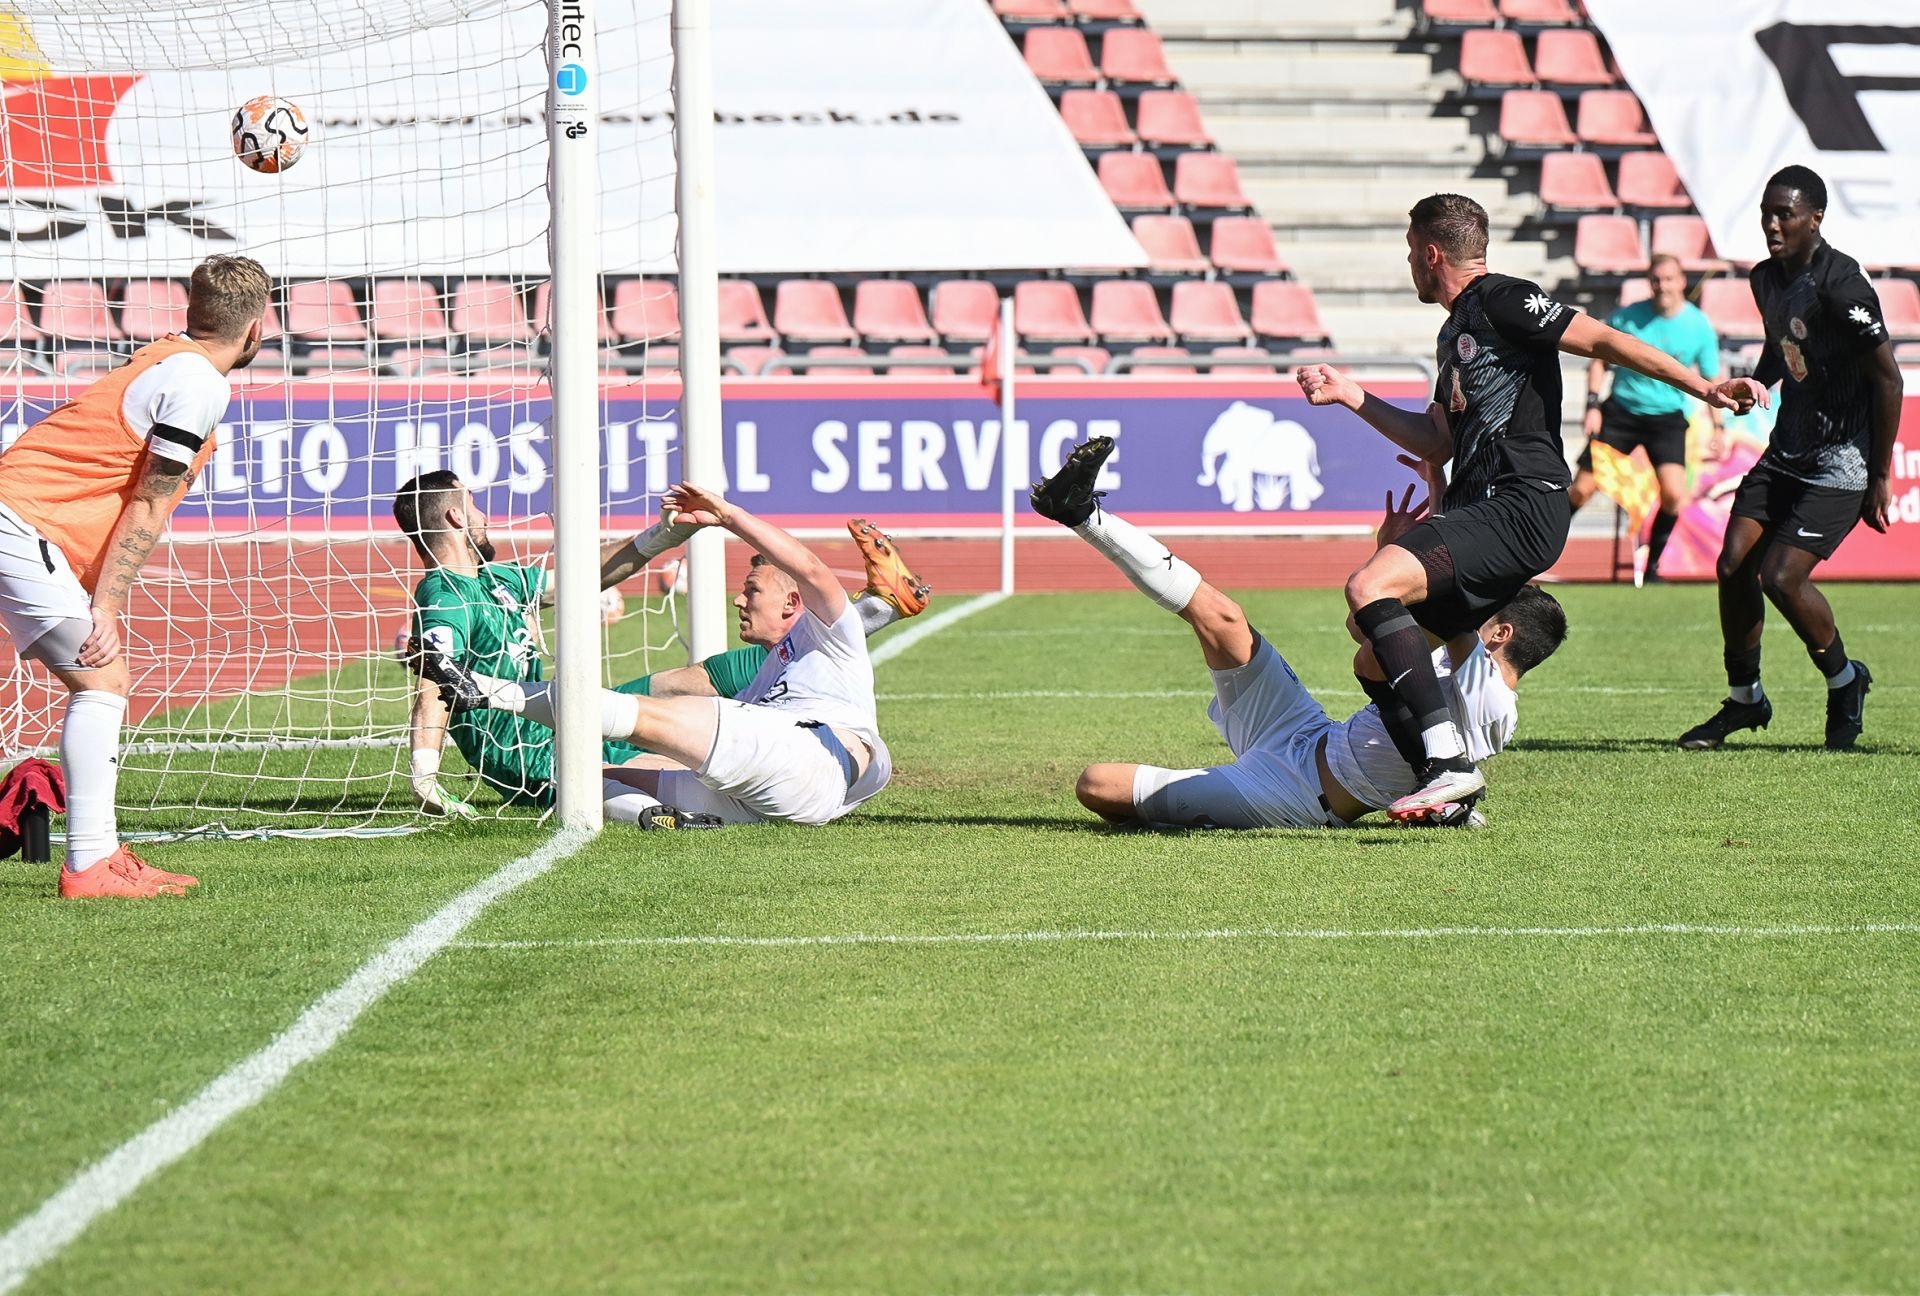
408, 332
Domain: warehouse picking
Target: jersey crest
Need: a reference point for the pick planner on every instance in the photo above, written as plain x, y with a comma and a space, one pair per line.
1795, 358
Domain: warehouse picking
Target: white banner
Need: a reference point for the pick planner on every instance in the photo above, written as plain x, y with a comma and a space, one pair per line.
1737, 89
852, 135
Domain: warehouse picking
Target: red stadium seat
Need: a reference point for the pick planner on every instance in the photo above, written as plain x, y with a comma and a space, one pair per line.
323, 360
1284, 309
1048, 310
1459, 13
75, 311
1576, 182
1104, 10
1096, 119
489, 312
544, 291
1095, 356
919, 371
1535, 119
407, 310
1171, 119
16, 325
965, 310
1170, 245
1613, 118
1899, 307
646, 310
1686, 237
1634, 290
1609, 245
889, 310
1134, 56
1495, 58
1539, 11
323, 310
1031, 10
838, 371
1259, 361
1649, 180
742, 317
1162, 353
1058, 56
1571, 58
1244, 245
1126, 310
1206, 311
1135, 182
751, 359
418, 361
153, 308
1730, 309
1209, 180
809, 310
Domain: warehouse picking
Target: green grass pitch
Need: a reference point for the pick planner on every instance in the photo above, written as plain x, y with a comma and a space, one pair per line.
1204, 1106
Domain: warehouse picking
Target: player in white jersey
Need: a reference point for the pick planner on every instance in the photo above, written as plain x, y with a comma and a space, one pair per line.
800, 744
1294, 766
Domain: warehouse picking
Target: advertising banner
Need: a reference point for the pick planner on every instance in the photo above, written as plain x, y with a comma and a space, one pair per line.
850, 136
1738, 89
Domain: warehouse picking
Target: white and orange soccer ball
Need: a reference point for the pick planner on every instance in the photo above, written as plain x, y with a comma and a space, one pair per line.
269, 133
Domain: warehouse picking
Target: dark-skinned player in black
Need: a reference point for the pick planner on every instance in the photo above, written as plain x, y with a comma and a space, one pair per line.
1824, 470
1504, 518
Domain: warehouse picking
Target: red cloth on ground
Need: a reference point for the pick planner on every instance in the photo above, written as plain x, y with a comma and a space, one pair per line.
31, 782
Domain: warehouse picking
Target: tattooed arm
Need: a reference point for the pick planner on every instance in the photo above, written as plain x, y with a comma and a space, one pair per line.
157, 490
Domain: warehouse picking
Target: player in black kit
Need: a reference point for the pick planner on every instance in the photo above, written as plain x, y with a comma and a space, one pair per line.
1825, 468
1504, 518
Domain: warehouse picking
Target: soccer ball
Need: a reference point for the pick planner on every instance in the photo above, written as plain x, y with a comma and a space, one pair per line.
269, 133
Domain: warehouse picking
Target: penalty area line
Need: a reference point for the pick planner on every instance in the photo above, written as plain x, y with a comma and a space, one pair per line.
1789, 930
96, 1190
894, 645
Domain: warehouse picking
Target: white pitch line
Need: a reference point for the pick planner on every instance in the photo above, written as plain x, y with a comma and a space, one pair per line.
38, 1237
896, 644
1201, 934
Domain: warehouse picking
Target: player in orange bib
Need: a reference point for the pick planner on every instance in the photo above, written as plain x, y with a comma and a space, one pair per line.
84, 495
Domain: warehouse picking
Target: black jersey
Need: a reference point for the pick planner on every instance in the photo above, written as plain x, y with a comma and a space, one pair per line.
1499, 364
1821, 324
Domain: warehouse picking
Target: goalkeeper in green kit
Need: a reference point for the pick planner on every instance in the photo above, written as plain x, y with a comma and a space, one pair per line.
484, 614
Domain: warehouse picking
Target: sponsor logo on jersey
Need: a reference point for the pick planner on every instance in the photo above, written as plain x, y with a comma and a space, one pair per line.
785, 650
1465, 347
1797, 327
1457, 401
1545, 307
1861, 315
1796, 362
439, 638
505, 598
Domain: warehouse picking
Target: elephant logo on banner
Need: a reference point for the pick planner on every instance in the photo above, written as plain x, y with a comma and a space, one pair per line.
1258, 460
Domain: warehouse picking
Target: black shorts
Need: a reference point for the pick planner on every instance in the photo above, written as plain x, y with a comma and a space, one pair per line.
1797, 513
1478, 556
1664, 436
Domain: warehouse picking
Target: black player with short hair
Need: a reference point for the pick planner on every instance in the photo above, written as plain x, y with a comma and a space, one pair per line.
1825, 468
1504, 518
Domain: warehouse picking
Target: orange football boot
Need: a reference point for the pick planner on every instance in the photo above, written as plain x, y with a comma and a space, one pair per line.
887, 574
125, 875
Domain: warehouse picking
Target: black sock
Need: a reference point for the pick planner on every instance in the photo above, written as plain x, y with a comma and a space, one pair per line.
1832, 659
1398, 720
1663, 523
1743, 666
1401, 648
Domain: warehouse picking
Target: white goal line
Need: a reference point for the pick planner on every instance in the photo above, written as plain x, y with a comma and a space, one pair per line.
1627, 931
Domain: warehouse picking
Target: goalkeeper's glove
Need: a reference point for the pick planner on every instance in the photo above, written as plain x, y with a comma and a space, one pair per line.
427, 792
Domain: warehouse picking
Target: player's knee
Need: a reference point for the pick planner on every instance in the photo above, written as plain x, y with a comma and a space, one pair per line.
1731, 567
1362, 589
1103, 790
1780, 583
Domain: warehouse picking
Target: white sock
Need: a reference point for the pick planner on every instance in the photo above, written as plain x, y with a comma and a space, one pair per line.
659, 538
624, 802
90, 759
619, 712
1748, 693
1443, 741
876, 614
1143, 560
1844, 678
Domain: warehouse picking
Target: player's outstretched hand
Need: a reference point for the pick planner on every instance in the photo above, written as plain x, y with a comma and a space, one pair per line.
1875, 508
1402, 519
436, 800
1739, 395
696, 505
102, 647
1325, 385
1433, 474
